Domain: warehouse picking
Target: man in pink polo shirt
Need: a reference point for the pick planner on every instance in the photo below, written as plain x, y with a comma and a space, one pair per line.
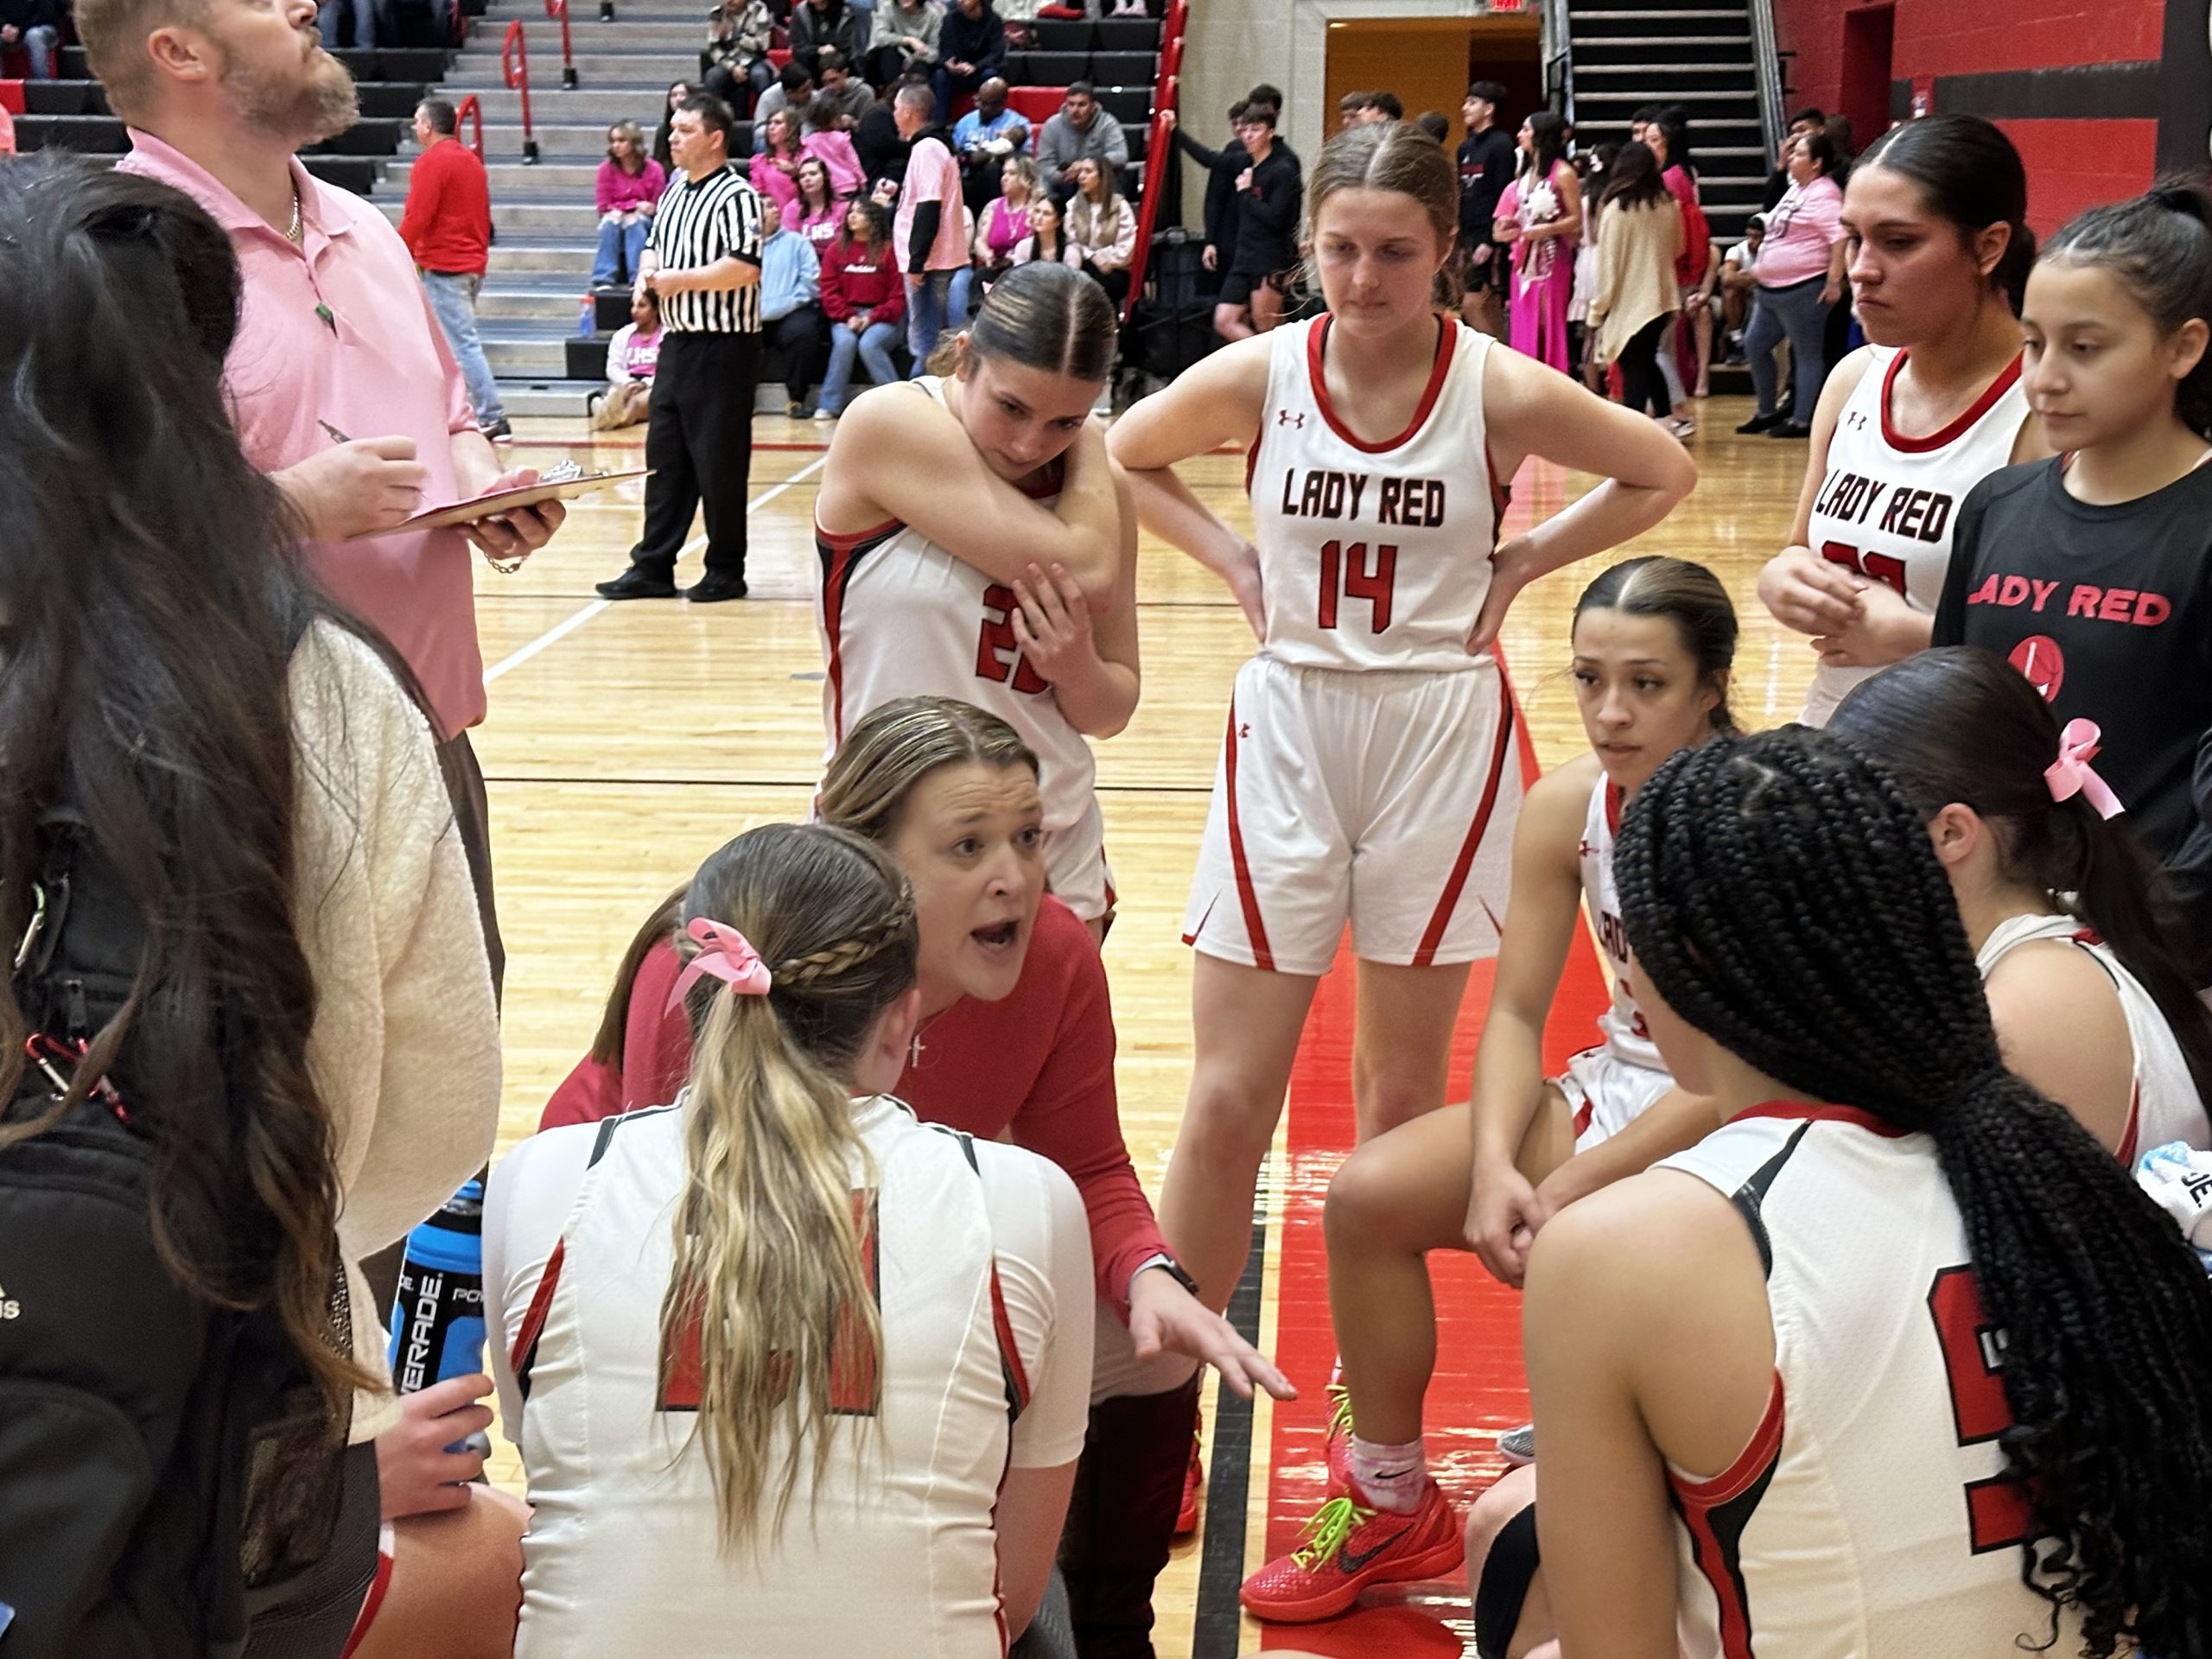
931, 232
346, 392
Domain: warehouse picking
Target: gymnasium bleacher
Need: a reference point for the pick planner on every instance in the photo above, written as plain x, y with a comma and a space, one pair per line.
541, 132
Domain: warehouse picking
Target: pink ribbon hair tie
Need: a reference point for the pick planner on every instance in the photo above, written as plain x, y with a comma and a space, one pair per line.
2069, 775
726, 955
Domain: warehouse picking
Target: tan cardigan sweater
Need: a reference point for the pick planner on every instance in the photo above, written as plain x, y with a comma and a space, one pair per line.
405, 1046
1637, 246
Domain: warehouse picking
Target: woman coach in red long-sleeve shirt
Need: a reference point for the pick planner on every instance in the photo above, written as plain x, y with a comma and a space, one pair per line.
1017, 1039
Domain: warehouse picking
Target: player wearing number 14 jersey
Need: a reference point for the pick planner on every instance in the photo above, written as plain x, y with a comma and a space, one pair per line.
975, 543
1369, 774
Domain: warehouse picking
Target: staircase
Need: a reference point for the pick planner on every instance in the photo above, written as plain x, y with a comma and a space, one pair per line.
545, 227
1698, 53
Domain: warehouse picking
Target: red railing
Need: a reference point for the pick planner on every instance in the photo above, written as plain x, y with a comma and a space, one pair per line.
560, 9
472, 112
514, 69
1159, 149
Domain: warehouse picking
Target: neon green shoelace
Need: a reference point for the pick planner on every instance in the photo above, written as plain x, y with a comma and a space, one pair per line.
1326, 1533
1339, 1410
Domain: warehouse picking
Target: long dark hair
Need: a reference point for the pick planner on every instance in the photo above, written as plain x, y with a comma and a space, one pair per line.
1635, 179
150, 585
2158, 247
1547, 142
1781, 894
1968, 173
1961, 724
879, 222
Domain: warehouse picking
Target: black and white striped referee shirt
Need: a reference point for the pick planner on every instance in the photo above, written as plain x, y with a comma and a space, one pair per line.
697, 223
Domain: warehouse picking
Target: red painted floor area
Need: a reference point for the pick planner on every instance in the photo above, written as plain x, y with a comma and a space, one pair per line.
1479, 1389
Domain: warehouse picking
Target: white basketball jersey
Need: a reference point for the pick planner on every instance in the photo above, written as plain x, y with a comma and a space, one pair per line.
1867, 1519
1888, 504
901, 617
901, 1556
1374, 555
1626, 1035
2166, 1106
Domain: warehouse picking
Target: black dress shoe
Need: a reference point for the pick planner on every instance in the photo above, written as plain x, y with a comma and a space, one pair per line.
1789, 429
1759, 424
714, 587
638, 583
499, 430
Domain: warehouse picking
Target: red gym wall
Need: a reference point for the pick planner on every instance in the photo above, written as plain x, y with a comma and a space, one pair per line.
2099, 95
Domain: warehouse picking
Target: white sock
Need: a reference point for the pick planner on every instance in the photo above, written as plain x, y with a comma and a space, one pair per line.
1390, 1476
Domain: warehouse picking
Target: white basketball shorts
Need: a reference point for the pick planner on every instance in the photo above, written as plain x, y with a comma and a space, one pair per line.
1075, 865
1382, 799
1606, 1093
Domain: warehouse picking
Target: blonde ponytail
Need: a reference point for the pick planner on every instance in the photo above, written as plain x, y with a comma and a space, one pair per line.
771, 1309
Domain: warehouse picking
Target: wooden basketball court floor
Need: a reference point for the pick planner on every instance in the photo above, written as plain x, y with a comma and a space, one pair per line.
626, 741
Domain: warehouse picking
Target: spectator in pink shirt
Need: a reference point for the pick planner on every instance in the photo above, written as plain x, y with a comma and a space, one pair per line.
344, 389
775, 164
931, 229
629, 186
822, 136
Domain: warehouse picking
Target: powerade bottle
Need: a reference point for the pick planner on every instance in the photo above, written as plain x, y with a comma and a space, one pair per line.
437, 1316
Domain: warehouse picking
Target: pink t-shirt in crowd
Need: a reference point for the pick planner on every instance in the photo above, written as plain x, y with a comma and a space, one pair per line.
1801, 229
618, 192
339, 330
1004, 226
932, 175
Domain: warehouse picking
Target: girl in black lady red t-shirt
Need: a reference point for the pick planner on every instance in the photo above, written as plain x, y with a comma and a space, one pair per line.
2093, 573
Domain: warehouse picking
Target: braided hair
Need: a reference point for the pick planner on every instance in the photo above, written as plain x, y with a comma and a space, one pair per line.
1778, 892
771, 1288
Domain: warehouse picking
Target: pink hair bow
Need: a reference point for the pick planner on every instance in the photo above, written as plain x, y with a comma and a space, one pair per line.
2069, 775
726, 954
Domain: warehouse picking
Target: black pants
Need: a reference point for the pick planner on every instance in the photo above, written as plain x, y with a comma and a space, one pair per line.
1115, 283
799, 338
1643, 389
699, 443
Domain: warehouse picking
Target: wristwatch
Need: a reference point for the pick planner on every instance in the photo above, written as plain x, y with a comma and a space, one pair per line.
1168, 1265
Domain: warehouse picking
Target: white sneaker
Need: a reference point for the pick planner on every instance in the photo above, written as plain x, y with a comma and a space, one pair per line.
1518, 1445
825, 413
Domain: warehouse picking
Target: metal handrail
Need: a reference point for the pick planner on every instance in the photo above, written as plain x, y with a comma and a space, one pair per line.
1767, 60
560, 9
1158, 153
1559, 56
514, 69
470, 111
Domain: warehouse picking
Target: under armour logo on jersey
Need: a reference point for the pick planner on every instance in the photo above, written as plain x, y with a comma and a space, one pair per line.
1244, 731
1284, 418
1583, 849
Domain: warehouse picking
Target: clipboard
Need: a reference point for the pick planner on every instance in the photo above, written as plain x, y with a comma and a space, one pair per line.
527, 495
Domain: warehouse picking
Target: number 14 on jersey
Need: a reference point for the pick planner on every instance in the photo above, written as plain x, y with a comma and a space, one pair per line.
1348, 571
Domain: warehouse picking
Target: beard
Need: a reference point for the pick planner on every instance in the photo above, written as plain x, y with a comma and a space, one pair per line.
301, 107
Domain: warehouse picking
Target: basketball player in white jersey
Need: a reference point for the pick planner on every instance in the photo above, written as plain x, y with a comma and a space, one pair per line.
789, 1369
976, 544
1940, 251
1370, 773
2090, 1003
1654, 639
1785, 1406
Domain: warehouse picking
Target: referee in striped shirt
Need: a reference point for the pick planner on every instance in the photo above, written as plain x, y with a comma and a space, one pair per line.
704, 262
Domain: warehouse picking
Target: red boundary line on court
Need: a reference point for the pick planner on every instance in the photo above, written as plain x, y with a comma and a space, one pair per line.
1479, 1390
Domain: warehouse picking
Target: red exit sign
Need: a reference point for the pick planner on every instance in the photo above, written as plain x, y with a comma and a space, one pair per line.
1507, 5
